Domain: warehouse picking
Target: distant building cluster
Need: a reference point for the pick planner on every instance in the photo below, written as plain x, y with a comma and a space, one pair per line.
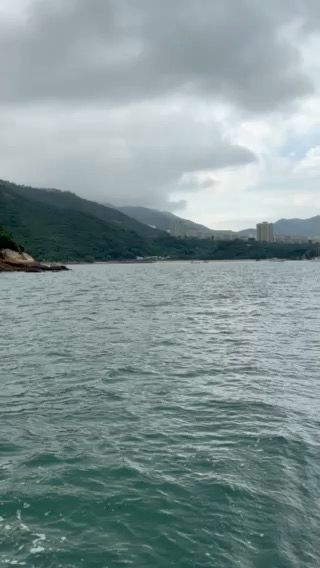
224, 235
265, 232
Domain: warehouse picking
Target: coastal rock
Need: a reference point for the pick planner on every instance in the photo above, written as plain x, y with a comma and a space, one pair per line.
13, 261
14, 257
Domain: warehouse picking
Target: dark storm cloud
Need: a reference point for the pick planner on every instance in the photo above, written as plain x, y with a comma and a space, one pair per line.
119, 51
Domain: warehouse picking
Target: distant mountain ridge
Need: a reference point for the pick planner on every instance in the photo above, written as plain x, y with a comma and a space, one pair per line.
300, 227
172, 224
69, 200
180, 227
292, 227
151, 223
54, 225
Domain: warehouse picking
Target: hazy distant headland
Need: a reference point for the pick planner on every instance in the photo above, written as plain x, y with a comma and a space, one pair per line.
59, 226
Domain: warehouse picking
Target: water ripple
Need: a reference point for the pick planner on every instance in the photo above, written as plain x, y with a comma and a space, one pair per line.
161, 415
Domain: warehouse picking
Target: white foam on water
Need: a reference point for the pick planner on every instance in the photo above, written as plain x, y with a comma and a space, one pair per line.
37, 549
9, 562
40, 536
36, 545
22, 525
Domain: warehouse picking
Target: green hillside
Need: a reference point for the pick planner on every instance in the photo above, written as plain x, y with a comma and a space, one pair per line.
51, 233
69, 200
208, 249
61, 233
6, 241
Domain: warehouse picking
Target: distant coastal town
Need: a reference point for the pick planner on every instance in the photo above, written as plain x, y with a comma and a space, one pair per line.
265, 233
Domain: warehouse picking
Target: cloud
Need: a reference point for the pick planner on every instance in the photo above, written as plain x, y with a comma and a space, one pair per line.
120, 156
118, 51
165, 104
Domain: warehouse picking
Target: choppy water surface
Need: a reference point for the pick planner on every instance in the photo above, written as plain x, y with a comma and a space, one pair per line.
161, 415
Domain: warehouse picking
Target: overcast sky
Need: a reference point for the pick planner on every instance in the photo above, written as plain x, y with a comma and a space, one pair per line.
208, 108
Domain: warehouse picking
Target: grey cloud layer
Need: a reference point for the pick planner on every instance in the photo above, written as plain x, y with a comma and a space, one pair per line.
118, 51
137, 157
101, 96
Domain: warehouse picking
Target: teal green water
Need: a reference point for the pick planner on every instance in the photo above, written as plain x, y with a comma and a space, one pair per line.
160, 416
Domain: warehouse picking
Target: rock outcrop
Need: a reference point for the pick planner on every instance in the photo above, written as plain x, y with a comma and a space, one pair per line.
13, 261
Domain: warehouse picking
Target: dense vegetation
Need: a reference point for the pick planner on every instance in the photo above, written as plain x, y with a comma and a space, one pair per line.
61, 233
6, 241
208, 249
56, 234
69, 200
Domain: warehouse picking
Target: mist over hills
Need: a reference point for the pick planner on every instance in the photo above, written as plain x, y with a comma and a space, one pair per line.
176, 226
166, 221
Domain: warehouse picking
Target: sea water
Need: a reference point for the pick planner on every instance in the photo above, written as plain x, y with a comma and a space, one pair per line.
161, 415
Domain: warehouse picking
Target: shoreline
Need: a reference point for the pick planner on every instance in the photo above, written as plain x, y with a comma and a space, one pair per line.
170, 261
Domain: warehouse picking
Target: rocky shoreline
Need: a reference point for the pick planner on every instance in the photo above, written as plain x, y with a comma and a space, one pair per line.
12, 261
